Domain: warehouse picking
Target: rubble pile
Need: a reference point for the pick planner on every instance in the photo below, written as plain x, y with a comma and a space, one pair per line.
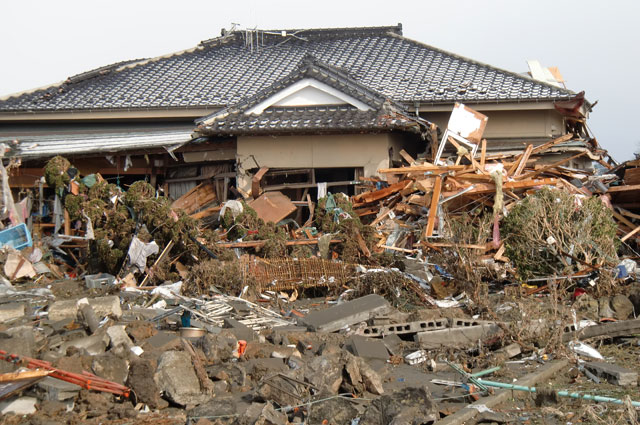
390, 306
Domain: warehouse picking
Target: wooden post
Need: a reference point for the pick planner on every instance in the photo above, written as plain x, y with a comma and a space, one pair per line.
433, 210
67, 223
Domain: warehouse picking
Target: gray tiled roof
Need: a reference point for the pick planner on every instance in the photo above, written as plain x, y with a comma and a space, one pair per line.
312, 119
222, 71
383, 115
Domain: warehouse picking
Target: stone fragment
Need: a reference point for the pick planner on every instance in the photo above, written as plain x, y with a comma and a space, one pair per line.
407, 406
163, 341
11, 311
604, 308
219, 348
18, 406
177, 378
368, 348
103, 306
94, 344
240, 330
325, 373
370, 378
219, 406
118, 336
346, 314
270, 416
334, 411
111, 367
586, 307
141, 381
622, 307
57, 390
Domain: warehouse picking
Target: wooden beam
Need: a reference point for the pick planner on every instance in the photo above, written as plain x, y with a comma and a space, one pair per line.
407, 157
623, 188
255, 181
550, 166
483, 153
433, 210
543, 147
256, 244
631, 233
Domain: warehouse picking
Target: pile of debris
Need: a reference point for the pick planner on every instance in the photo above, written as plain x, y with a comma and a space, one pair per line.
390, 306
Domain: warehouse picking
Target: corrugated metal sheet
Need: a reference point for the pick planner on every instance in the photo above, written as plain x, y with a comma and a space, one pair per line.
47, 146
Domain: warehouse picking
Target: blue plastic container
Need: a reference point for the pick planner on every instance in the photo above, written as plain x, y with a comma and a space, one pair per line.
17, 237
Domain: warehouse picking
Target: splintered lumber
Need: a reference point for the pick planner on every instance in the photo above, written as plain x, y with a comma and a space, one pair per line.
543, 147
196, 198
206, 212
423, 168
550, 166
483, 188
27, 374
631, 233
518, 166
257, 244
623, 188
369, 197
433, 210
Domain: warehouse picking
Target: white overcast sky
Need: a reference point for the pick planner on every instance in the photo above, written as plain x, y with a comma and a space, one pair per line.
594, 43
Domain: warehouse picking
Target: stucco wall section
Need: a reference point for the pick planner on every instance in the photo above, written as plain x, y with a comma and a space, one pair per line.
370, 151
512, 124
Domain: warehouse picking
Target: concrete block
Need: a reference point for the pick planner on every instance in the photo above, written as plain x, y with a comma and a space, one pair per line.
177, 378
118, 336
613, 373
57, 390
103, 306
11, 311
460, 337
368, 348
393, 344
405, 328
240, 330
509, 351
94, 344
18, 406
163, 340
459, 323
346, 314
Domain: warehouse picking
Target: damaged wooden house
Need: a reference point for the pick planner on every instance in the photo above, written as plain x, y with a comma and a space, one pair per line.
290, 110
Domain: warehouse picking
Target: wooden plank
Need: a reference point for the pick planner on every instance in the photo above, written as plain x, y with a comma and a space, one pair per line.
272, 206
481, 188
628, 235
194, 199
423, 168
256, 244
27, 374
369, 197
543, 147
623, 188
255, 181
407, 157
433, 210
206, 212
483, 153
518, 166
550, 166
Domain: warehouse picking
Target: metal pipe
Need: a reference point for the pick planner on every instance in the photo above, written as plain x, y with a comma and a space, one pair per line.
562, 393
485, 372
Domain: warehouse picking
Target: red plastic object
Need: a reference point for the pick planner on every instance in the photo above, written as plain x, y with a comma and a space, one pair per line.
85, 380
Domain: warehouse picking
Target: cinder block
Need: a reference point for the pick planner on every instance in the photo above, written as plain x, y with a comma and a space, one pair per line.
405, 328
346, 314
613, 373
459, 337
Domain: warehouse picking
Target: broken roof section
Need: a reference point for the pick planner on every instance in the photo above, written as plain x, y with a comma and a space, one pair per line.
227, 69
315, 97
